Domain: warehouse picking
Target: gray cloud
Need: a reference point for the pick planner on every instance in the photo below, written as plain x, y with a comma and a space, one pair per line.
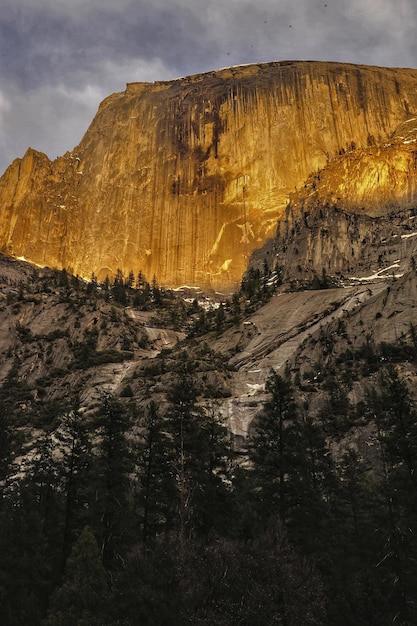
59, 59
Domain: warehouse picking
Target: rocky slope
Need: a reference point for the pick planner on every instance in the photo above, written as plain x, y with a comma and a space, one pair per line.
185, 178
60, 339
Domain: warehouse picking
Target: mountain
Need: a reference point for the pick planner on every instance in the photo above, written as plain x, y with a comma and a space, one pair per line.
96, 377
241, 459
184, 179
63, 338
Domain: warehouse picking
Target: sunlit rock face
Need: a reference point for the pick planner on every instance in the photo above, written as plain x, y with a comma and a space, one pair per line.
357, 217
184, 179
375, 181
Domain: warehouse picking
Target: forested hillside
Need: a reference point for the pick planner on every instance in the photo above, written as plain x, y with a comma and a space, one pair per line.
127, 499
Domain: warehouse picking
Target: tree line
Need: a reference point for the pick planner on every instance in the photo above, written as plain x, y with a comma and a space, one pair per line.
153, 516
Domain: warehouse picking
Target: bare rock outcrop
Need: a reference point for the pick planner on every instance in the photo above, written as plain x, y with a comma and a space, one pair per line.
184, 179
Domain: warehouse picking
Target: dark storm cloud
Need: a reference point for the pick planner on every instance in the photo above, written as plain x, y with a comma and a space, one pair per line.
59, 58
43, 47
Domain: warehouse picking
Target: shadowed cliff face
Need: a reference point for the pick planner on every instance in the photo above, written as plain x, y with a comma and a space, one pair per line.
184, 179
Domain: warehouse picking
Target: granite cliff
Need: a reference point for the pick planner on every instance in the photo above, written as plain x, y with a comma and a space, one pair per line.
354, 219
184, 179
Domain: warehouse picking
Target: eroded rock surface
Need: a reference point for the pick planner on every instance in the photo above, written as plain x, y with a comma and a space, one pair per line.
185, 178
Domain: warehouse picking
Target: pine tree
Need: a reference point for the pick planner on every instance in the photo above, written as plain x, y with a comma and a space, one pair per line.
112, 483
183, 418
291, 473
213, 503
82, 598
31, 538
391, 406
156, 292
6, 451
75, 468
312, 486
119, 288
201, 455
272, 450
44, 482
29, 561
130, 280
156, 486
140, 281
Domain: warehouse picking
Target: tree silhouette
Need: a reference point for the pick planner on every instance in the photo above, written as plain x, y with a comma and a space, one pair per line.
156, 486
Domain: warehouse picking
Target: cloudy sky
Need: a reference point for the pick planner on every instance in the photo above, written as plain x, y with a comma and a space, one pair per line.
60, 58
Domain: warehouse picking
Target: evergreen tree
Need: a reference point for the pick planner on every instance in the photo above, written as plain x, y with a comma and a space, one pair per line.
398, 421
273, 451
183, 419
112, 483
391, 406
92, 286
251, 285
292, 473
119, 288
30, 538
28, 563
43, 481
82, 598
201, 455
156, 292
213, 504
156, 487
312, 487
6, 451
75, 468
140, 281
130, 280
220, 316
106, 286
352, 545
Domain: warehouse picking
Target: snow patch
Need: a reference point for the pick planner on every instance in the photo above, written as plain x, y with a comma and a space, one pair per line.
409, 235
22, 258
255, 388
380, 273
182, 287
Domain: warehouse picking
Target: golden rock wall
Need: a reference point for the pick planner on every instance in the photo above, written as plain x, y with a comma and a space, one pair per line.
184, 179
